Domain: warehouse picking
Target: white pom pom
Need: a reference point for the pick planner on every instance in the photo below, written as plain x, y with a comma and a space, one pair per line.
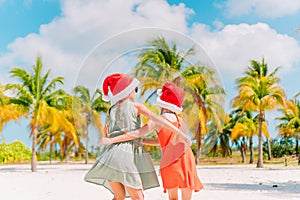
105, 98
159, 92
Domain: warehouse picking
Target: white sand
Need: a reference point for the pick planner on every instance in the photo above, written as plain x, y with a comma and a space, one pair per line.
65, 182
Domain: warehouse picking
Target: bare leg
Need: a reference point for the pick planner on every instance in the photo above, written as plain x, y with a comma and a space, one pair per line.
135, 194
173, 194
186, 194
118, 189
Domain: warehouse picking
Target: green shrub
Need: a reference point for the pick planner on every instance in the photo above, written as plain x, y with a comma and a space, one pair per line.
15, 152
43, 156
281, 147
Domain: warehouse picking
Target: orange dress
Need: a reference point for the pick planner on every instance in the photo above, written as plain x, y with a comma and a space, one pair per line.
178, 168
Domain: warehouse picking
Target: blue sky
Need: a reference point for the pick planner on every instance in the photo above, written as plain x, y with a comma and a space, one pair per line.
231, 32
20, 19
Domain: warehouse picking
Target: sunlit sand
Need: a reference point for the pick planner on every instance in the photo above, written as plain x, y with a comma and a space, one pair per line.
238, 182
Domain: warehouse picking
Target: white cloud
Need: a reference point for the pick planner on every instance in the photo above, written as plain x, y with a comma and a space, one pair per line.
265, 8
232, 47
66, 41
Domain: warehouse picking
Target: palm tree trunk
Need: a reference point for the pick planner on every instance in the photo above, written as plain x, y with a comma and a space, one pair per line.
297, 145
199, 129
297, 148
260, 145
86, 147
55, 152
149, 97
269, 149
243, 154
251, 150
51, 149
198, 143
33, 156
243, 150
215, 150
229, 152
66, 149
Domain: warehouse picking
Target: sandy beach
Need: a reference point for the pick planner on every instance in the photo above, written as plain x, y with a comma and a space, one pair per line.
65, 182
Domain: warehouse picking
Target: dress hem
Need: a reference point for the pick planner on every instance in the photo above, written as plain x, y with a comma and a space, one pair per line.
127, 196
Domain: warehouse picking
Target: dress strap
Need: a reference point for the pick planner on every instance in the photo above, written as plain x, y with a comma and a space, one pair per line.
170, 112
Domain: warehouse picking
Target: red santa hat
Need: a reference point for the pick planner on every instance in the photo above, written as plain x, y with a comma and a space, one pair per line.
120, 85
170, 97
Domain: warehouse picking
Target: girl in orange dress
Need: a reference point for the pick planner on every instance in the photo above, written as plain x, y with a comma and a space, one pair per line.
180, 171
177, 166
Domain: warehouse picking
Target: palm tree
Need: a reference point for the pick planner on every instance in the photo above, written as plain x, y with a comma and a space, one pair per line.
248, 127
57, 124
8, 111
209, 96
225, 135
216, 141
233, 118
163, 63
35, 91
290, 122
159, 64
91, 106
258, 92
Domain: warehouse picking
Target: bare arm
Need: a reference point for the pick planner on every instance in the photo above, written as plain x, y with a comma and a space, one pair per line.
155, 121
105, 130
132, 135
151, 141
161, 121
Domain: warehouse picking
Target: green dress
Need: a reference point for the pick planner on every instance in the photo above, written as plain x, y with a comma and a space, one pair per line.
126, 162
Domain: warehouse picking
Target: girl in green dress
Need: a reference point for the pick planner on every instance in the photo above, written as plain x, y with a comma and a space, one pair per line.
125, 168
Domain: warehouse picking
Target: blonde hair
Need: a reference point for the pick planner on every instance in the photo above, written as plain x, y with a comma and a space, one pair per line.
118, 104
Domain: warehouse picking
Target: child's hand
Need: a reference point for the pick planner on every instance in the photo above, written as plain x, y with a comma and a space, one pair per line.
186, 138
188, 141
105, 141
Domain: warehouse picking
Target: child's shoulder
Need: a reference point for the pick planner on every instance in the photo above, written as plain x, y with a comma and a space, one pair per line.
170, 116
141, 109
139, 105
